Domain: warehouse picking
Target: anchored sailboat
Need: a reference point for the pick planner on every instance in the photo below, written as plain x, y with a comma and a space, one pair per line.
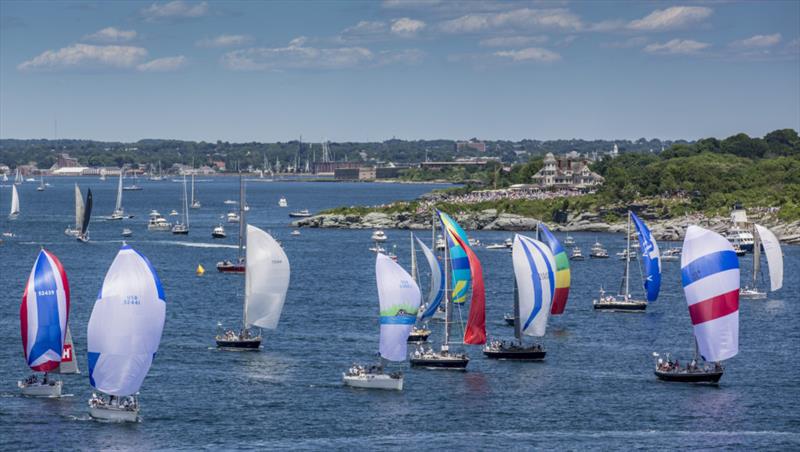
183, 227
534, 291
464, 270
227, 266
195, 202
119, 212
83, 234
14, 203
710, 274
650, 256
123, 336
763, 237
44, 315
399, 299
266, 284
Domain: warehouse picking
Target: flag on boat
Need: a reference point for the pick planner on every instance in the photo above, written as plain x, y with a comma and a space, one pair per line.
710, 274
459, 262
437, 282
535, 274
44, 312
562, 269
399, 299
126, 324
651, 258
772, 248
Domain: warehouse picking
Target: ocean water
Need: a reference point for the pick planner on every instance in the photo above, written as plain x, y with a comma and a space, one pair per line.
596, 389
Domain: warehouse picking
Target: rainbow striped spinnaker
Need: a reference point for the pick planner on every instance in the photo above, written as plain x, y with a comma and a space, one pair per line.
562, 270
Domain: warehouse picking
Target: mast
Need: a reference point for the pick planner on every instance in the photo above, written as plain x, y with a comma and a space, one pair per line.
446, 298
185, 204
517, 316
192, 188
414, 270
628, 257
241, 245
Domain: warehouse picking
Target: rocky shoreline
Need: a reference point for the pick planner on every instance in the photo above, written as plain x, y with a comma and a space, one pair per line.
491, 220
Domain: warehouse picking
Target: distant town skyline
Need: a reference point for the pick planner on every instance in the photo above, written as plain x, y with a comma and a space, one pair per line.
411, 69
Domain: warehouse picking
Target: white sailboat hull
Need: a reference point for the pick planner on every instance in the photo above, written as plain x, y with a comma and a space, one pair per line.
114, 414
373, 381
752, 294
53, 389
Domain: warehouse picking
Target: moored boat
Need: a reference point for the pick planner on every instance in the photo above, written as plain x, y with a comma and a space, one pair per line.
766, 240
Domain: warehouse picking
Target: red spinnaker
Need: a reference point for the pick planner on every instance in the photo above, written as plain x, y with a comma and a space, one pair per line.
475, 332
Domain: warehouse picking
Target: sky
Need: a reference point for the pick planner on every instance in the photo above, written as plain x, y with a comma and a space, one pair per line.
410, 69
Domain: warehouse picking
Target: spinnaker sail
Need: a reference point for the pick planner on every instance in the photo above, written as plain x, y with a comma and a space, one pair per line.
772, 248
475, 331
562, 269
126, 324
436, 293
459, 262
535, 273
266, 280
651, 258
399, 299
710, 274
44, 313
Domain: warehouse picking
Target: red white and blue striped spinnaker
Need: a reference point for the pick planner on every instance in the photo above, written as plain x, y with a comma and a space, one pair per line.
43, 313
710, 273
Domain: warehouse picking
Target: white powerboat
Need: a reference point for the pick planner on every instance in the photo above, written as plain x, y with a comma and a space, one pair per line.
232, 217
218, 232
379, 236
282, 202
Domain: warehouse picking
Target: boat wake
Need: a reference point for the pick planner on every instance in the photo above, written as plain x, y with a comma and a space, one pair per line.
196, 244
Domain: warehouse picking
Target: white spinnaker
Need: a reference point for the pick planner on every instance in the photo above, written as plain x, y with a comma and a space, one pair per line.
534, 269
14, 200
78, 208
772, 248
399, 298
266, 279
436, 272
126, 325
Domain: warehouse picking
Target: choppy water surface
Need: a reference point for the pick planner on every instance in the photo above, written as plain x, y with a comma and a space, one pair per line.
595, 390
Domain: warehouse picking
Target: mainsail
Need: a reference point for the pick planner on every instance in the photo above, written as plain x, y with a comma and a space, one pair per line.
562, 269
126, 324
710, 274
436, 293
68, 365
266, 280
44, 313
459, 263
78, 208
118, 206
87, 214
772, 248
14, 201
399, 298
650, 257
535, 272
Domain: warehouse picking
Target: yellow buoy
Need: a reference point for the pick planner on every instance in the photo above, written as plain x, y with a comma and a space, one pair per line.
200, 270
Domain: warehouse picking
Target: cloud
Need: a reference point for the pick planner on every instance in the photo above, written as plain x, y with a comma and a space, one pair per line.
524, 18
407, 56
296, 56
111, 34
225, 41
166, 64
513, 41
536, 54
83, 55
677, 47
758, 41
364, 29
670, 18
176, 9
407, 27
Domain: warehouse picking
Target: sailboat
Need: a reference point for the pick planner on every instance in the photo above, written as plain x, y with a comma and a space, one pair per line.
651, 259
119, 212
5, 177
14, 203
41, 183
135, 186
123, 335
772, 248
227, 266
710, 274
18, 177
464, 270
534, 289
399, 298
159, 176
195, 202
183, 227
44, 315
435, 294
79, 206
83, 234
266, 284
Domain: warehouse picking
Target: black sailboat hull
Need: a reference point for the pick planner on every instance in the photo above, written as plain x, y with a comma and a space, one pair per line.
418, 337
690, 377
242, 344
444, 364
516, 354
620, 307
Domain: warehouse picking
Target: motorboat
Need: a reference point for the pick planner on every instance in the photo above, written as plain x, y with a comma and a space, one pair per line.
173, 213
218, 232
158, 223
127, 232
296, 232
419, 334
598, 251
379, 236
232, 217
671, 255
282, 202
496, 246
576, 254
300, 214
569, 241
